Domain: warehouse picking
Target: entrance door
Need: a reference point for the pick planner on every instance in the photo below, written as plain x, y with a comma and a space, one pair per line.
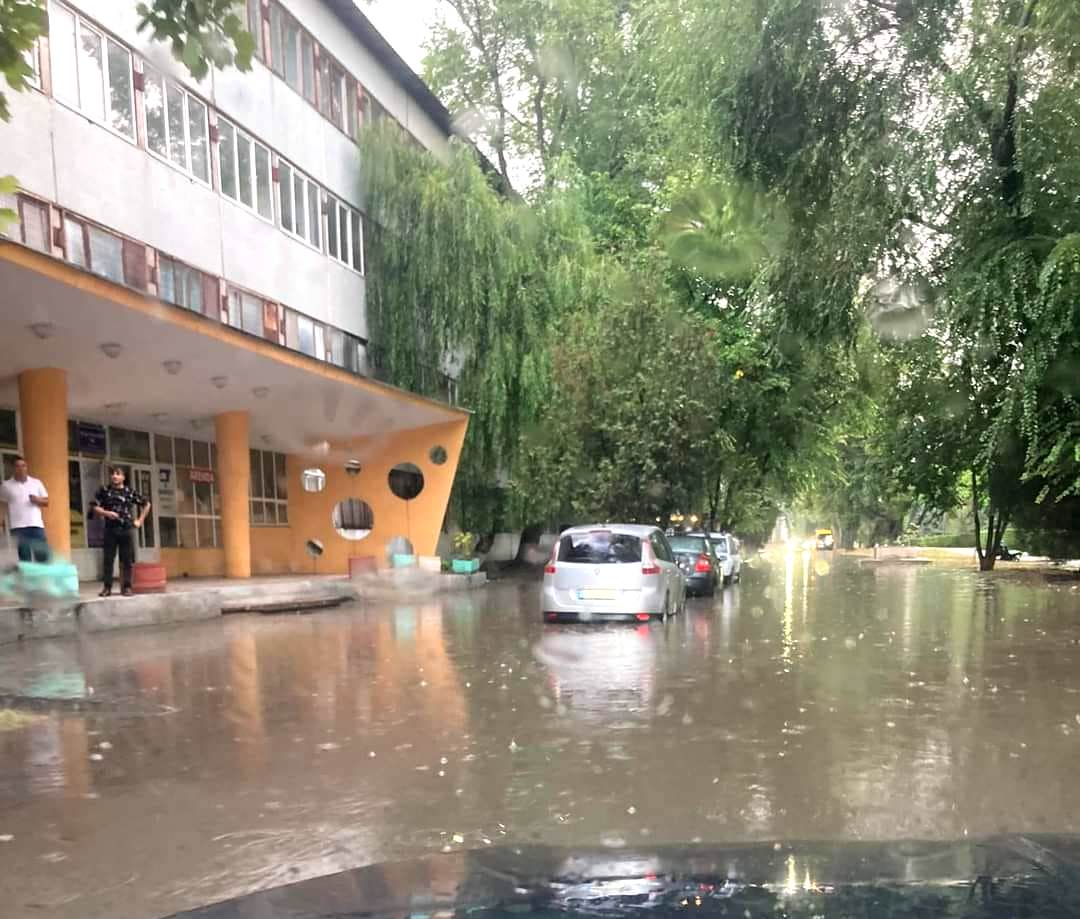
141, 479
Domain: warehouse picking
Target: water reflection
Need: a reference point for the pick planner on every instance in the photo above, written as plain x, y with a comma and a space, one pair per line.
803, 703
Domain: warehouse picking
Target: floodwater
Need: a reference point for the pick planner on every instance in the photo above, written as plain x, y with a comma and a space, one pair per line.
816, 700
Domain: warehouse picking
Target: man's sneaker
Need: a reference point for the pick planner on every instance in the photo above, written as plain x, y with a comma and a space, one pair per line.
128, 592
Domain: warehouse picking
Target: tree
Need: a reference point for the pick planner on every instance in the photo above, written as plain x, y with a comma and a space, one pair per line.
633, 418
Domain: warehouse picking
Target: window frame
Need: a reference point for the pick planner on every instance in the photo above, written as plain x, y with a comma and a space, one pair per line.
192, 277
309, 184
225, 124
334, 208
152, 74
175, 465
105, 121
256, 483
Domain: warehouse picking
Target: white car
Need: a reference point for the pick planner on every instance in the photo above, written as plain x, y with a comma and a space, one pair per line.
729, 552
612, 571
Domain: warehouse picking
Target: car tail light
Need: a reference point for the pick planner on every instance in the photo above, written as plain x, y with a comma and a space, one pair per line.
648, 560
549, 568
551, 617
642, 617
702, 566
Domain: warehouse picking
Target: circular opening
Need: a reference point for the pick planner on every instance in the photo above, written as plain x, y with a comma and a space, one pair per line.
438, 455
313, 480
406, 481
353, 519
314, 547
353, 467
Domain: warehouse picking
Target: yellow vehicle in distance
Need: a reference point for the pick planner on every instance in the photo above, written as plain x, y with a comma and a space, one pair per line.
823, 539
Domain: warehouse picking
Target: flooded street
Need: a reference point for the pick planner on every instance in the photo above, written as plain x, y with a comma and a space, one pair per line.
815, 700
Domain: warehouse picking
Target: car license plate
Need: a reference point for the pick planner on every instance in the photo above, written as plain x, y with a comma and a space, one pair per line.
596, 593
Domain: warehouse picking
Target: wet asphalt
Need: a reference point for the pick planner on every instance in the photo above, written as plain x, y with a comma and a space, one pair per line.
819, 699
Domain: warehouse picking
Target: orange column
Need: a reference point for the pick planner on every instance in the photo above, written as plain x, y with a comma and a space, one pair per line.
233, 431
43, 416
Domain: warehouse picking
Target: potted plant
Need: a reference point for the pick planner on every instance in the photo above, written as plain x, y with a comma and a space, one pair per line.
464, 562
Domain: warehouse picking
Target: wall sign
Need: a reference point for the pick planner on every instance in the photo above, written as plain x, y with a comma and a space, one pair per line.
91, 438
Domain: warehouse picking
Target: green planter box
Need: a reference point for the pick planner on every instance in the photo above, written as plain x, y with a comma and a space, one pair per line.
465, 565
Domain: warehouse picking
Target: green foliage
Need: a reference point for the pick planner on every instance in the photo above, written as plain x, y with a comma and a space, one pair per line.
21, 22
464, 544
461, 278
201, 33
635, 415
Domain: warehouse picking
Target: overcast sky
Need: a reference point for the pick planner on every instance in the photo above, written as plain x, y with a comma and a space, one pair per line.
406, 24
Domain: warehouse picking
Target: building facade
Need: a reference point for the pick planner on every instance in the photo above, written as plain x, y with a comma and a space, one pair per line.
183, 293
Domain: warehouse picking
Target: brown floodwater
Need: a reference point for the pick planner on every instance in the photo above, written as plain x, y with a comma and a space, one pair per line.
816, 700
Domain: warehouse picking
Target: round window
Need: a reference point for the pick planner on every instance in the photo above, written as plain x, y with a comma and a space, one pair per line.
353, 519
438, 455
406, 481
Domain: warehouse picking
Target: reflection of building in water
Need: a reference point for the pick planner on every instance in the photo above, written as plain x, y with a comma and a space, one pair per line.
186, 293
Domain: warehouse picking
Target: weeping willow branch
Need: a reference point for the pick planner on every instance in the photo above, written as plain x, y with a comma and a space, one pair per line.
463, 280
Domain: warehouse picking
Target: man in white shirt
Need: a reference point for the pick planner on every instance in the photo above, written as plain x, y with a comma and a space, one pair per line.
25, 496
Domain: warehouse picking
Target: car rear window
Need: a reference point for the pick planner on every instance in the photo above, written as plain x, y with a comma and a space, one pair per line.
599, 547
687, 544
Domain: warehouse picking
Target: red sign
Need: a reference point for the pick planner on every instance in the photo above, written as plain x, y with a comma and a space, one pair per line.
201, 475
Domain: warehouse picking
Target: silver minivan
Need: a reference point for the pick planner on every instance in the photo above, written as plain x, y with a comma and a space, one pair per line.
612, 571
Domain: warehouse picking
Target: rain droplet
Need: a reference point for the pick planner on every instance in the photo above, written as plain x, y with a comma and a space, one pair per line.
329, 746
6, 837
849, 643
687, 719
371, 753
458, 838
104, 745
514, 747
631, 810
97, 757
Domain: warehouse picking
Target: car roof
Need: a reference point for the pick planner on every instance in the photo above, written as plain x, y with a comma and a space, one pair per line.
630, 529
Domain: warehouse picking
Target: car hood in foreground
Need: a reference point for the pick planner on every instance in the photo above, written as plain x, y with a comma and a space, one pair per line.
1005, 876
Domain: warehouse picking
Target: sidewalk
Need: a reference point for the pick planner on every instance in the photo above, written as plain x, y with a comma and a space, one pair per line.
185, 600
197, 599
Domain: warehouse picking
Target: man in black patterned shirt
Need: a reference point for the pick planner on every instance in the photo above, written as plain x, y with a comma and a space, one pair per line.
117, 504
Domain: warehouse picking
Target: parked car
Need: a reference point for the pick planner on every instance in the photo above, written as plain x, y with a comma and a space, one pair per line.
697, 558
728, 550
612, 571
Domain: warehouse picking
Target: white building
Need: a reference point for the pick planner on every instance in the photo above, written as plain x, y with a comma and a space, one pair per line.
189, 252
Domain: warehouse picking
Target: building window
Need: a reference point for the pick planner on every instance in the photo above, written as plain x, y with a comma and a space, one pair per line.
299, 205
352, 107
269, 489
188, 505
245, 170
106, 254
285, 46
307, 61
91, 247
180, 284
246, 312
324, 84
32, 56
176, 126
344, 234
254, 24
91, 71
33, 223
